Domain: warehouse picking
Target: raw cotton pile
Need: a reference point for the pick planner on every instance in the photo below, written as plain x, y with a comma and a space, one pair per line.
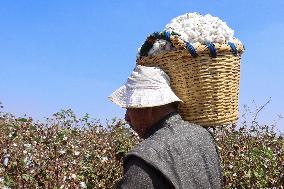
159, 46
195, 28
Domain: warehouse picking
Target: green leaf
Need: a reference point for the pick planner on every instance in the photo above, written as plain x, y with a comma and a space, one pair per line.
14, 126
27, 177
8, 181
22, 119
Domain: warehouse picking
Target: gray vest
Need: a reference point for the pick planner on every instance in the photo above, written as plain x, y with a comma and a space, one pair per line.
184, 153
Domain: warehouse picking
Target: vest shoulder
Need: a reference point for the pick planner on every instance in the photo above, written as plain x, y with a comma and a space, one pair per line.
177, 134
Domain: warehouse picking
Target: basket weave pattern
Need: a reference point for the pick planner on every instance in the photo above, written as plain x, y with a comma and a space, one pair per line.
209, 87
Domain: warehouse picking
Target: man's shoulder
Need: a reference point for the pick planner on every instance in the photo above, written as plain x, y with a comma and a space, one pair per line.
178, 150
179, 131
179, 134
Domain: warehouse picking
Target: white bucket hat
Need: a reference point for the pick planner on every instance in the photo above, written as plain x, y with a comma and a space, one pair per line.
145, 87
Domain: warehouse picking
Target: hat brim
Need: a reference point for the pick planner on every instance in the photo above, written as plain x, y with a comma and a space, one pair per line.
135, 98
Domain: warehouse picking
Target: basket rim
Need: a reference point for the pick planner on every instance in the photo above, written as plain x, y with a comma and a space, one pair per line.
183, 52
197, 48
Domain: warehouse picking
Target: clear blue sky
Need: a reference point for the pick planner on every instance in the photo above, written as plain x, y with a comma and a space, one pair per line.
72, 54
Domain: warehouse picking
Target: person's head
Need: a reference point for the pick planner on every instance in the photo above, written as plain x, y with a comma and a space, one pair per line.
142, 119
147, 96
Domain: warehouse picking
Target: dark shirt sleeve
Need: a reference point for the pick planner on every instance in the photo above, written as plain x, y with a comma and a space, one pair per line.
139, 174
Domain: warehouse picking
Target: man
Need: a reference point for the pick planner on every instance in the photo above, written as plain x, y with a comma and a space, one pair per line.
175, 153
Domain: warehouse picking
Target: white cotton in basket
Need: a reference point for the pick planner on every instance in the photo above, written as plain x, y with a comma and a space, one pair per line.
159, 46
195, 28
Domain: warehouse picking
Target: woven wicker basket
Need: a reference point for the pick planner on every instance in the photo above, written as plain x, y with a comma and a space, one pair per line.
205, 77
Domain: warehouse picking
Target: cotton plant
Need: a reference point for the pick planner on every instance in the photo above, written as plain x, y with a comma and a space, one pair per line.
251, 156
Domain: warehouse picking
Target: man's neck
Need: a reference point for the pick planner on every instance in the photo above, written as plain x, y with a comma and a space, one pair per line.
158, 114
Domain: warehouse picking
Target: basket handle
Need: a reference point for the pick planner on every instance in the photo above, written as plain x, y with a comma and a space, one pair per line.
167, 36
191, 50
212, 49
234, 48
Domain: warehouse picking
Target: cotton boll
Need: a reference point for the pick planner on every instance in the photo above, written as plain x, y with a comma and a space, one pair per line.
152, 51
208, 39
219, 39
138, 52
168, 47
235, 40
159, 46
194, 27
